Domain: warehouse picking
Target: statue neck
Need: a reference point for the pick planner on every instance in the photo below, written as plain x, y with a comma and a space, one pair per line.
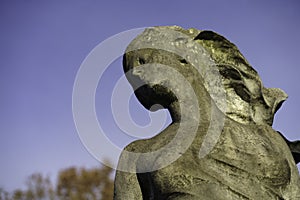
190, 105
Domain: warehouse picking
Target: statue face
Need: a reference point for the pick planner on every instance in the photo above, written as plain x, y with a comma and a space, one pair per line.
243, 88
246, 99
150, 86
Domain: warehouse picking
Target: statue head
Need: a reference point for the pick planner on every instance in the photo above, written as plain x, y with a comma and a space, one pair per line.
247, 100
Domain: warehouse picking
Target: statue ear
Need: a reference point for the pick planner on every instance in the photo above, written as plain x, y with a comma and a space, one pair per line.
274, 97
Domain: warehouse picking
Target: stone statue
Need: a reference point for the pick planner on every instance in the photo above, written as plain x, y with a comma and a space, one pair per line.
220, 144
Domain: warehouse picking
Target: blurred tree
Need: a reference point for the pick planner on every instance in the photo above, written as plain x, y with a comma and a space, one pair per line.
108, 185
72, 184
38, 188
4, 195
90, 184
19, 195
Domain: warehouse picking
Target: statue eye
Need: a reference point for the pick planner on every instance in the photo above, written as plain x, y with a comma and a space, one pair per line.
242, 91
183, 61
141, 61
229, 72
233, 74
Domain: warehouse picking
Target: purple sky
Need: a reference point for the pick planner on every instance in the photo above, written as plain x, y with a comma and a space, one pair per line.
43, 43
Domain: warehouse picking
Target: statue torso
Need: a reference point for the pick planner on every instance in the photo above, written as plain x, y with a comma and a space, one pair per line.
245, 159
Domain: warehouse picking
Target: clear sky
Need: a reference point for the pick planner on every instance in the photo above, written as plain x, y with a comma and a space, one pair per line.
43, 43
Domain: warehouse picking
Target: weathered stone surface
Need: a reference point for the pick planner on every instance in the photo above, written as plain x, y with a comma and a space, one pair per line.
208, 87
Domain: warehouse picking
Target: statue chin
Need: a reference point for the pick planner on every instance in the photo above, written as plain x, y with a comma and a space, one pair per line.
155, 97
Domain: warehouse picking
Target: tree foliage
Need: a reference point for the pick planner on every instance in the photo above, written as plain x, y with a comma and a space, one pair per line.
4, 195
72, 184
77, 184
